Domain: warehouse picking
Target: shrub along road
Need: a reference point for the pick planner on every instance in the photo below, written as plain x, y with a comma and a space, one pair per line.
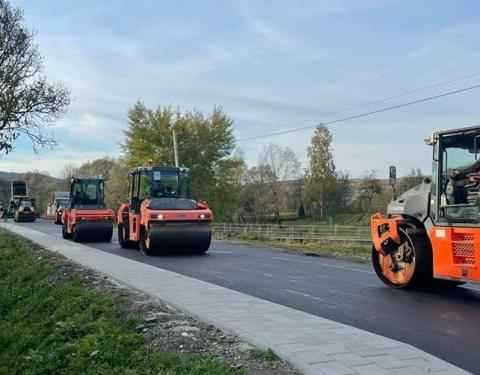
442, 322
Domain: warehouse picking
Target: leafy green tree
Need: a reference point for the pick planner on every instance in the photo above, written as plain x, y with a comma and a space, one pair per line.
4, 192
27, 100
116, 187
205, 145
98, 168
321, 174
301, 211
340, 194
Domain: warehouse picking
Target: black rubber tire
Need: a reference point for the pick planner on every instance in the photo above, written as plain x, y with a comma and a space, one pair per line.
75, 235
108, 236
65, 234
142, 245
124, 243
121, 240
423, 274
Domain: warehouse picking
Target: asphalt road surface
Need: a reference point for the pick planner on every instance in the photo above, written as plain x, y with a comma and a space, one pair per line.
444, 323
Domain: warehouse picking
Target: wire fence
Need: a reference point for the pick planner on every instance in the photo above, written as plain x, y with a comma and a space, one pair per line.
300, 233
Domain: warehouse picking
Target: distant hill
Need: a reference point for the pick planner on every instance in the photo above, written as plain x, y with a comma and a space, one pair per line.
9, 175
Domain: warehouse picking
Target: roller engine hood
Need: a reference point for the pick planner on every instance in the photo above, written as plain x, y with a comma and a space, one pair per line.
414, 203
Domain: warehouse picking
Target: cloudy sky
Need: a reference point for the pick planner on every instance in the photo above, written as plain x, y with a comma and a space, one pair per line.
271, 65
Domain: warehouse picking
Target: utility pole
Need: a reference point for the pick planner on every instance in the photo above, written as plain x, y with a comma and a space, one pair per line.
175, 148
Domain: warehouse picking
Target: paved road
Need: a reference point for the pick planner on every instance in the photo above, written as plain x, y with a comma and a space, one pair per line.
443, 323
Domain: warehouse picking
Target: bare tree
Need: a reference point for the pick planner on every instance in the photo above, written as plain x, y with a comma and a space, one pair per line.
369, 188
277, 166
69, 170
27, 101
254, 195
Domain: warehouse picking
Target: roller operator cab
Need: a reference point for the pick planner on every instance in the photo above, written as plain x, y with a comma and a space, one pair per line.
86, 217
433, 230
161, 216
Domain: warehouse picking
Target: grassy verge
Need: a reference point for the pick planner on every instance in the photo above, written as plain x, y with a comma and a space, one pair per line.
326, 248
50, 325
267, 355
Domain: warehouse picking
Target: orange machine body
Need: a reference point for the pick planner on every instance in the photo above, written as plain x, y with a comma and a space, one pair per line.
455, 250
149, 217
72, 216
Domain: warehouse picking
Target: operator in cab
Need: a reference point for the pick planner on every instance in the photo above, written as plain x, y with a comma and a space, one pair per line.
463, 180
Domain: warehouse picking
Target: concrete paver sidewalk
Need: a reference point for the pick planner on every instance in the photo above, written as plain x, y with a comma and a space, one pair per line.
311, 343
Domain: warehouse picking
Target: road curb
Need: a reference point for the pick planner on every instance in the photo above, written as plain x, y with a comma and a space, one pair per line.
312, 344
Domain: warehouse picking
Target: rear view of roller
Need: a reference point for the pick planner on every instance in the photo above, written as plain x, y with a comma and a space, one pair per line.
161, 217
87, 219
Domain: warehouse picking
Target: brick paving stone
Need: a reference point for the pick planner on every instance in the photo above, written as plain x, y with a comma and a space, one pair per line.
372, 369
366, 351
332, 368
428, 364
351, 359
407, 371
312, 357
387, 361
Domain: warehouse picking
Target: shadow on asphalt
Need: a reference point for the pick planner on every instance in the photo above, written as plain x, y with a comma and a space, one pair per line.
439, 291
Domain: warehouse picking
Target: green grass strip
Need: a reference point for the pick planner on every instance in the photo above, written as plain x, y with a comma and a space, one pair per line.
49, 327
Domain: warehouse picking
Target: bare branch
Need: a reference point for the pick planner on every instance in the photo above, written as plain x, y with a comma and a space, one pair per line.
28, 103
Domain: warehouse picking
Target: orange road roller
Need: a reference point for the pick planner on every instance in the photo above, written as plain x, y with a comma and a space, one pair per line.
433, 230
161, 216
86, 218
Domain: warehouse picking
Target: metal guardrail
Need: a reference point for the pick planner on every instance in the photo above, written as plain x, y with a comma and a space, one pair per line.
300, 233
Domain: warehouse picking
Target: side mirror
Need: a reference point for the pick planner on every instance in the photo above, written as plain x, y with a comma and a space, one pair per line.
393, 180
475, 146
393, 175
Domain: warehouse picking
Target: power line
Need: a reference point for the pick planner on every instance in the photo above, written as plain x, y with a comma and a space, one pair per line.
376, 101
448, 93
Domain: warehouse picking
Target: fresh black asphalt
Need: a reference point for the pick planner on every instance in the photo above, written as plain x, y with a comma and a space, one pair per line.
443, 322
